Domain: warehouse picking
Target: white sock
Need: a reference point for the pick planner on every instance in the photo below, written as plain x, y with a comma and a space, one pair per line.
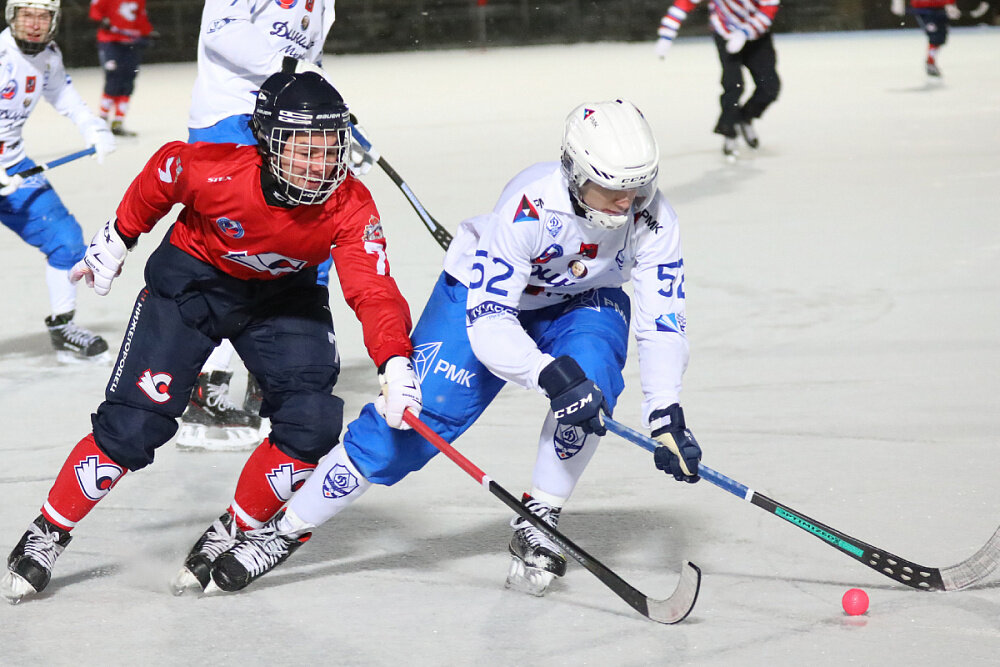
555, 478
62, 293
221, 357
334, 485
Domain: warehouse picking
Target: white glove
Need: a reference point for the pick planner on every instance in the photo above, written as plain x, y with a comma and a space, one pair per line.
663, 45
898, 7
99, 136
953, 12
736, 41
400, 390
360, 160
8, 184
103, 261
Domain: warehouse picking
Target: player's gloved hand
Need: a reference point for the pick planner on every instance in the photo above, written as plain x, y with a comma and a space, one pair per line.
362, 157
953, 12
574, 398
8, 184
400, 390
736, 41
98, 135
678, 452
663, 45
103, 261
898, 7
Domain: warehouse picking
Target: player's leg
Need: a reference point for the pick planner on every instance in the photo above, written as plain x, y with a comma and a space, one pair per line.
456, 389
729, 100
150, 381
760, 59
36, 214
123, 82
290, 347
593, 329
105, 54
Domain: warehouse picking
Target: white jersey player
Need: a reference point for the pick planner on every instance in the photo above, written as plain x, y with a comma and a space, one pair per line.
241, 43
531, 293
31, 68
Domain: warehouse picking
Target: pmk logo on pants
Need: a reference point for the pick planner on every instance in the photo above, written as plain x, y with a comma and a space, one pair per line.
286, 480
155, 385
96, 478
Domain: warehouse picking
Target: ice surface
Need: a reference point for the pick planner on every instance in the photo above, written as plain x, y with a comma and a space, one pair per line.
844, 309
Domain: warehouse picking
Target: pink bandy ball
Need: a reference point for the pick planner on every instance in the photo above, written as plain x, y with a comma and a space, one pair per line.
855, 602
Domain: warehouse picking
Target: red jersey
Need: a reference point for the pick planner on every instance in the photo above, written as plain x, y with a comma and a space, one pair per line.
129, 22
227, 223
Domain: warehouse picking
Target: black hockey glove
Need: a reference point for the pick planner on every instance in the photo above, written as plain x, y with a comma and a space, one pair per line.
678, 452
574, 398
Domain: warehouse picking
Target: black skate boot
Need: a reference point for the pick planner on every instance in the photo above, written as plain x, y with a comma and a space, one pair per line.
72, 342
197, 571
256, 553
29, 566
118, 129
535, 559
749, 133
254, 397
213, 422
932, 69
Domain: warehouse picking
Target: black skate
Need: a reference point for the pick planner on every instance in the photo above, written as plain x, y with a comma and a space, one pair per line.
932, 69
118, 129
29, 566
197, 571
212, 422
749, 134
256, 553
72, 342
535, 559
729, 148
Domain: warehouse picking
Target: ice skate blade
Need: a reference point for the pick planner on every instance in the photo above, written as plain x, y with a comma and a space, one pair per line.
213, 590
73, 359
530, 580
14, 587
201, 438
183, 582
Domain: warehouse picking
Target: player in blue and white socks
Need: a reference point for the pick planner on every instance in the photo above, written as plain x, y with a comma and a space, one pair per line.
531, 293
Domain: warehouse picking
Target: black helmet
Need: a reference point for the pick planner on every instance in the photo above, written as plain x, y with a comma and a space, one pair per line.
303, 134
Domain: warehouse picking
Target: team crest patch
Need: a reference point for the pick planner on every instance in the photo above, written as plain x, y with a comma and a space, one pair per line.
29, 84
553, 225
568, 441
373, 230
526, 211
231, 228
671, 323
9, 91
286, 4
550, 253
339, 482
588, 250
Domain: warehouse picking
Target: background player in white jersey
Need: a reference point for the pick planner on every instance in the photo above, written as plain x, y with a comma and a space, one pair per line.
743, 38
531, 293
241, 43
31, 67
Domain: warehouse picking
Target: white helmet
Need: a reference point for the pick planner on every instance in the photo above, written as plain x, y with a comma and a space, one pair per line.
30, 47
612, 145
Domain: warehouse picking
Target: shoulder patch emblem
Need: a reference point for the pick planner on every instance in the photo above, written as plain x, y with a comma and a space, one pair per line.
526, 211
373, 230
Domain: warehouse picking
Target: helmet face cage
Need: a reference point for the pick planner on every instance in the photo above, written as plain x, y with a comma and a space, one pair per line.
611, 145
11, 12
309, 164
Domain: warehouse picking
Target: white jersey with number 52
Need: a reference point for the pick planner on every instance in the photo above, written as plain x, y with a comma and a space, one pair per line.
534, 251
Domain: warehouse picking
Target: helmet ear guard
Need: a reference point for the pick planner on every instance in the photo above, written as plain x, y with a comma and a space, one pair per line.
10, 14
610, 144
293, 112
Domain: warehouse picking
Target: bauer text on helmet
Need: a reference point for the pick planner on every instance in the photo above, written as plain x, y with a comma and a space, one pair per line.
33, 23
302, 129
609, 148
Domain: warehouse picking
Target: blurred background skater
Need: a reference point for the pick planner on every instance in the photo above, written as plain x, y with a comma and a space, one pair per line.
33, 64
933, 16
123, 33
743, 38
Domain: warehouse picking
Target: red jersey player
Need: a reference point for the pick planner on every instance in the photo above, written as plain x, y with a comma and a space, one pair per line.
933, 17
240, 263
124, 32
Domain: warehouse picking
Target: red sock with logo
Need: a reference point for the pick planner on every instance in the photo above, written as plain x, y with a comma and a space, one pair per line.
267, 482
86, 477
